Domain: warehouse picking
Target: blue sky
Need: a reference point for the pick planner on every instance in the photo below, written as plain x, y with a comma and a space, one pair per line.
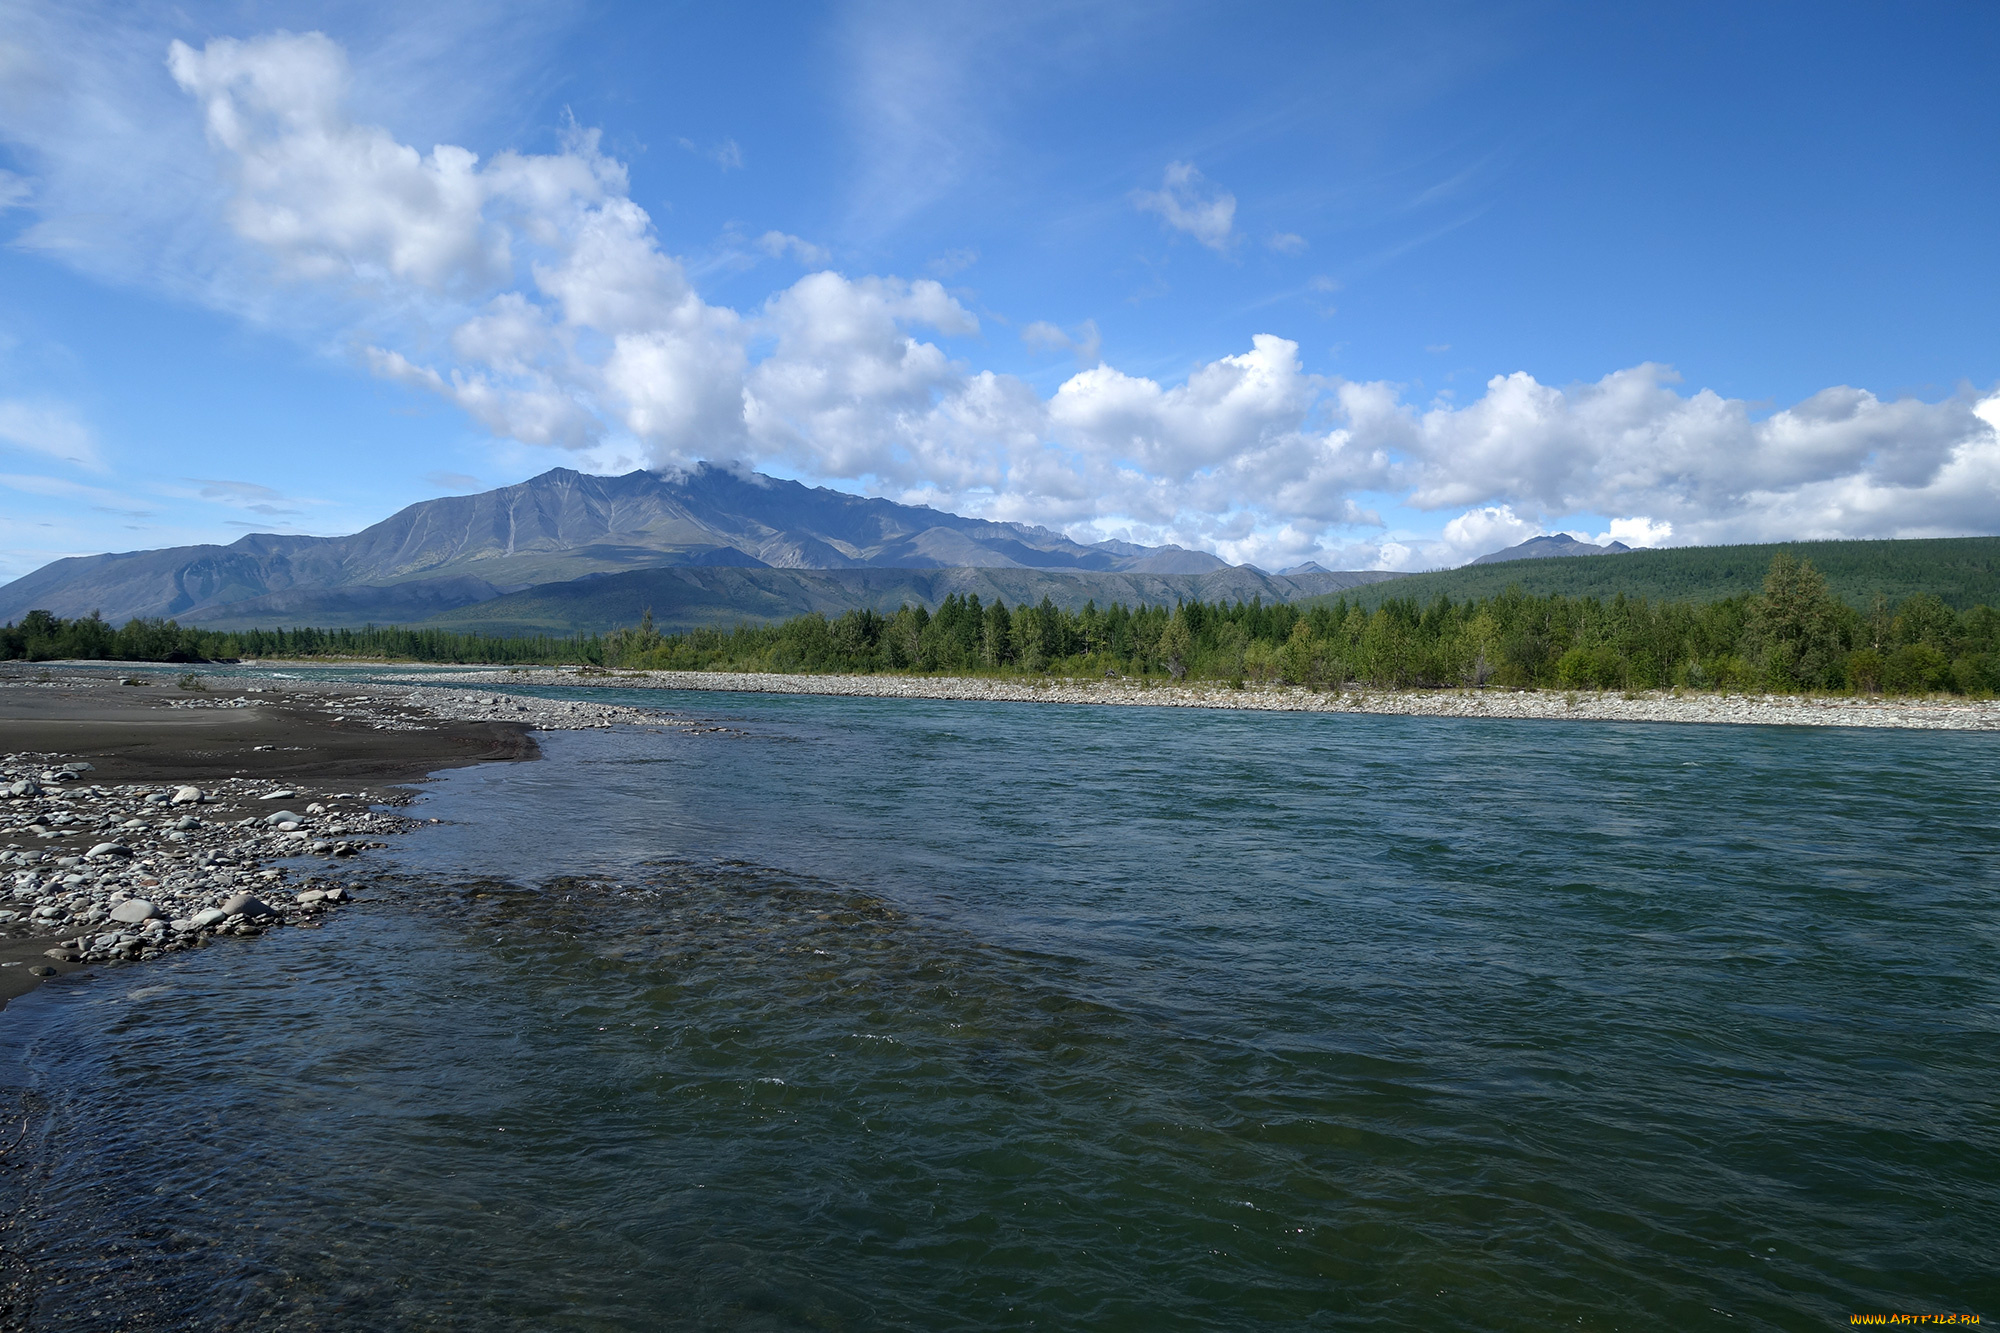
1373, 285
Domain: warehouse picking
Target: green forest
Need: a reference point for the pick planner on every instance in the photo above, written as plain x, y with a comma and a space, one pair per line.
1963, 572
1794, 635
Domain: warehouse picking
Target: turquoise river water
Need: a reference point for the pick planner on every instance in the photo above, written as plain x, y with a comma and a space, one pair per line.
889, 1014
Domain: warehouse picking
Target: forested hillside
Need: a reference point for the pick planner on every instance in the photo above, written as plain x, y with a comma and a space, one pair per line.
1963, 572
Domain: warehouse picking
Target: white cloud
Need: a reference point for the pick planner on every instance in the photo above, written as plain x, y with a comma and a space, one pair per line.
1478, 531
1287, 243
1841, 463
1639, 531
48, 428
536, 295
1189, 202
14, 190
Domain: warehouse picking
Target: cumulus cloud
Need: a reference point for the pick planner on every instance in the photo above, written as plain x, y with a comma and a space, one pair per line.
1189, 202
50, 429
1841, 463
535, 294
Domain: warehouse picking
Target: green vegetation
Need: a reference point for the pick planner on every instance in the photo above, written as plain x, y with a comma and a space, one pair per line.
1793, 635
41, 637
1963, 572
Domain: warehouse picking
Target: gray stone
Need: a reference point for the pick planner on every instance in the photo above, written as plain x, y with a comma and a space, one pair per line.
207, 917
311, 896
249, 904
110, 849
283, 817
41, 970
187, 796
134, 910
284, 795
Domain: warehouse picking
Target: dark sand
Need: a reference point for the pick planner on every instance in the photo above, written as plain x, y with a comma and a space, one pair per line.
130, 734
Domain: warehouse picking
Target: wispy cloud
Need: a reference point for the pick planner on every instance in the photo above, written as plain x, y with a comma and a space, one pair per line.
51, 429
247, 495
778, 244
1084, 344
725, 153
1189, 202
952, 262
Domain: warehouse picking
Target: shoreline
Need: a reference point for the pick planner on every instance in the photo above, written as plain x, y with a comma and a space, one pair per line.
137, 821
1913, 713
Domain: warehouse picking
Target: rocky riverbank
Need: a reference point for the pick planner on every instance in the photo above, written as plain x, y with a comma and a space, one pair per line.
175, 814
133, 871
1949, 714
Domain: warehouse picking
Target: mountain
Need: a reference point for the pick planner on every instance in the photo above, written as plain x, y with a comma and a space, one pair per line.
1555, 544
433, 558
553, 528
687, 598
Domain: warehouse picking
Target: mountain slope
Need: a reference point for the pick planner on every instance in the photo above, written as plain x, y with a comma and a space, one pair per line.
556, 527
684, 597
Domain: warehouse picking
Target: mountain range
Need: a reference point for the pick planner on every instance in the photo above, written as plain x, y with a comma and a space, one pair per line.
712, 545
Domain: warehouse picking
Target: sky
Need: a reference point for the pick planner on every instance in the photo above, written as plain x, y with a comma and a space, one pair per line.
1377, 286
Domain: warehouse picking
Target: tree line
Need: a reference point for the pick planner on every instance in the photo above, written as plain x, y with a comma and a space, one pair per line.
1793, 636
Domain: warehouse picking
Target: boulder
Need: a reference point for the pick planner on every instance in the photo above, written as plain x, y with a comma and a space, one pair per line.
186, 796
207, 917
134, 910
110, 849
249, 904
283, 817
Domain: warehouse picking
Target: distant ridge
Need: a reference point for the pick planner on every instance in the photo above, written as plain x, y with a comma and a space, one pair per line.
1963, 571
438, 556
686, 597
1553, 545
